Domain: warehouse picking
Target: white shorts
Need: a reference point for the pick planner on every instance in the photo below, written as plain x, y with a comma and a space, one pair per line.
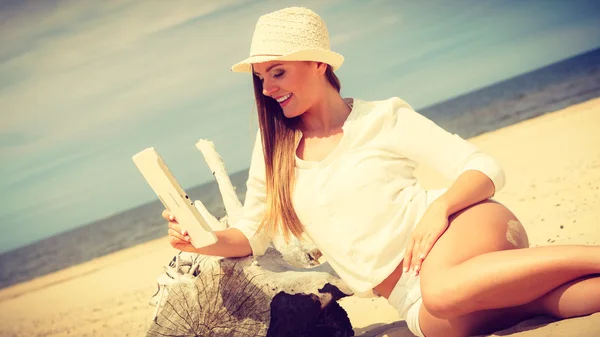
406, 299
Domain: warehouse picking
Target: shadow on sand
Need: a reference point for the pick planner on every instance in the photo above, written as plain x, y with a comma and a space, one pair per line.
399, 328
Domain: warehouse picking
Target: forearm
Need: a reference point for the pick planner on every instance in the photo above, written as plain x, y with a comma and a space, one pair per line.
468, 189
231, 243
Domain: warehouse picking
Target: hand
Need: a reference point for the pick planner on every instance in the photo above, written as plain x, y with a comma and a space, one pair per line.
178, 237
429, 229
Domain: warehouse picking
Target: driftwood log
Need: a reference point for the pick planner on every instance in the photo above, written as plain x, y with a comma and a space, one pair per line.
285, 292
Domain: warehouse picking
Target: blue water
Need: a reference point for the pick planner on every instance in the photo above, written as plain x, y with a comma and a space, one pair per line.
544, 90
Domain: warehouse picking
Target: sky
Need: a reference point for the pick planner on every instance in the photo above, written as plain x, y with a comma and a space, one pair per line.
85, 85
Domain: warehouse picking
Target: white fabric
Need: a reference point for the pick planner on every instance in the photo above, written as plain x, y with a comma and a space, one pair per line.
406, 296
360, 204
405, 293
412, 318
406, 299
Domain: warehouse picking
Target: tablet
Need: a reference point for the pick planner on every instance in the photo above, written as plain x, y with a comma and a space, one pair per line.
173, 197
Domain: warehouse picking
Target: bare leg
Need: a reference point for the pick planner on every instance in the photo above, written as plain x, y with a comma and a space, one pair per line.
577, 298
476, 323
569, 300
474, 266
514, 277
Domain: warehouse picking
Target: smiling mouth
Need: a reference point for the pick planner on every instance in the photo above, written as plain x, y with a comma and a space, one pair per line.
283, 98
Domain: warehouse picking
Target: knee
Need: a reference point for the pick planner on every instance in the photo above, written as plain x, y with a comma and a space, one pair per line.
439, 302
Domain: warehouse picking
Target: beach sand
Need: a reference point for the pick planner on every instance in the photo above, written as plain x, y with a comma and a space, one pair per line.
553, 170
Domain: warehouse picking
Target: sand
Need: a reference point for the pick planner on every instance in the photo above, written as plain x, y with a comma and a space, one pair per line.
553, 168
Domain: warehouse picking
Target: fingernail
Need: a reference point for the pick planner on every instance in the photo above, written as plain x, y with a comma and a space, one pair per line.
171, 217
183, 232
422, 256
404, 270
187, 238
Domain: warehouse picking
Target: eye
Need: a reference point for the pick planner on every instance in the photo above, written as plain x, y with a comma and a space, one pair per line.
279, 74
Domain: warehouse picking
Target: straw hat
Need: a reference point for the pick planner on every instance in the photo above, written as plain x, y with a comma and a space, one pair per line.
290, 34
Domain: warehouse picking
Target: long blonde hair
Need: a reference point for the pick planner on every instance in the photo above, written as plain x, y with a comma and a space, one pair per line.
279, 137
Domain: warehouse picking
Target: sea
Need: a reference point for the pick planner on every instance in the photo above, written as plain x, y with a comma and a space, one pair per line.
544, 90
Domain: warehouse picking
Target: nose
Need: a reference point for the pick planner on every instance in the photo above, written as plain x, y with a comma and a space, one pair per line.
268, 87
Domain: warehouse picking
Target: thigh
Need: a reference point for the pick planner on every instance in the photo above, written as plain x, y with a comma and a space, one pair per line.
476, 323
482, 228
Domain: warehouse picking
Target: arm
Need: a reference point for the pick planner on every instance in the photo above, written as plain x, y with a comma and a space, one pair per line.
255, 203
241, 238
424, 142
468, 189
231, 243
475, 175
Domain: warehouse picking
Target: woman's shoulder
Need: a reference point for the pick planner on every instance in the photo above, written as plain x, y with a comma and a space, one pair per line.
381, 108
377, 118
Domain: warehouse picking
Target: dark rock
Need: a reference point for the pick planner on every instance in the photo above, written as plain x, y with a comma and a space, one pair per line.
304, 315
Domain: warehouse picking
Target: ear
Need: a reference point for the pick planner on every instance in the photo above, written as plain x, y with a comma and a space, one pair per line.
321, 67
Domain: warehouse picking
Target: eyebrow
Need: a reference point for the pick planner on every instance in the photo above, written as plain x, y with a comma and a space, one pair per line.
269, 68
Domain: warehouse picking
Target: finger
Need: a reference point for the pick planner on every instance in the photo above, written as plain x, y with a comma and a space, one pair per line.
416, 261
431, 240
178, 235
408, 255
175, 242
176, 227
168, 216
165, 214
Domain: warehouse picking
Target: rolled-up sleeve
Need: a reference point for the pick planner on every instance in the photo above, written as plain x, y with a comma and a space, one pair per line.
423, 141
254, 204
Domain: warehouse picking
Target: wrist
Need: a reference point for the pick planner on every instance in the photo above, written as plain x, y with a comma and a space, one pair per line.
442, 205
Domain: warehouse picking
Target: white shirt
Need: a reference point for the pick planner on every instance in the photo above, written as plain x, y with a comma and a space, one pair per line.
360, 204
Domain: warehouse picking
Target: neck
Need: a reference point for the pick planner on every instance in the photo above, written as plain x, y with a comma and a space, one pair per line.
327, 116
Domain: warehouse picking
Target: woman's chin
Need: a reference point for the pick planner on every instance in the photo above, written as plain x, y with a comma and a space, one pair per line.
291, 114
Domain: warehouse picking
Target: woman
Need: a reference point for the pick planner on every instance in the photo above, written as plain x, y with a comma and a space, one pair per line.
452, 262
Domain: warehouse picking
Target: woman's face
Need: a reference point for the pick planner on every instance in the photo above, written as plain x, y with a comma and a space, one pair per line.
295, 85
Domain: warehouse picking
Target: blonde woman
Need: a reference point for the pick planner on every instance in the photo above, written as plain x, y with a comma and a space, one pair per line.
340, 170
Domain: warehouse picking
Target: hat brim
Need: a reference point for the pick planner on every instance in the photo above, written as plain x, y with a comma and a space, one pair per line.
334, 59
